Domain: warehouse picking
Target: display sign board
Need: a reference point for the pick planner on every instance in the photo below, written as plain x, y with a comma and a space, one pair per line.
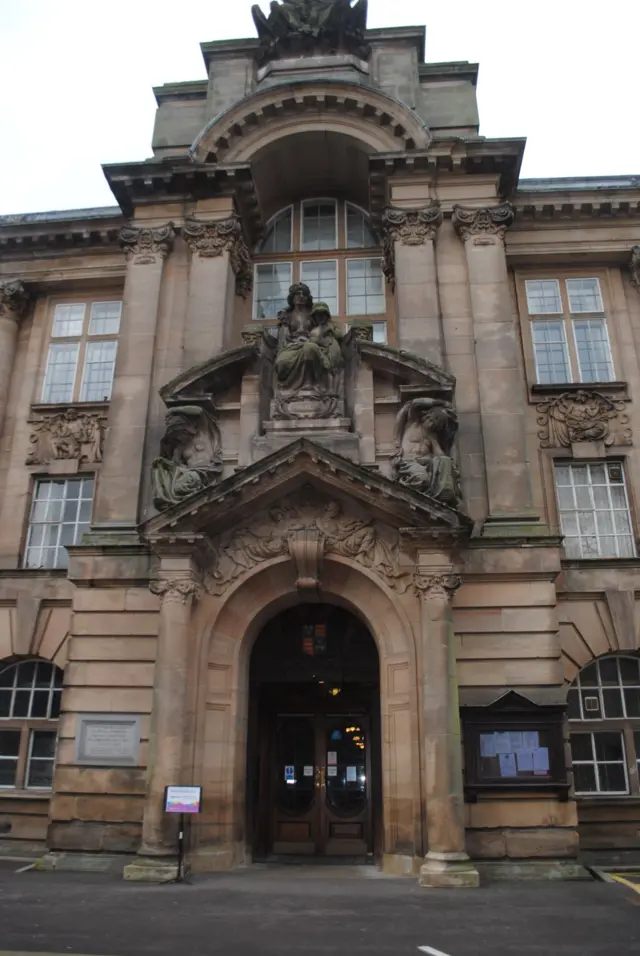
183, 799
109, 740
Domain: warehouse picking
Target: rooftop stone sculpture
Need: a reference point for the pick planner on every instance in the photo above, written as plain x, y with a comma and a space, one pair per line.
295, 27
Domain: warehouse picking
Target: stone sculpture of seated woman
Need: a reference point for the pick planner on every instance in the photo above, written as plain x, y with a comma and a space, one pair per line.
309, 364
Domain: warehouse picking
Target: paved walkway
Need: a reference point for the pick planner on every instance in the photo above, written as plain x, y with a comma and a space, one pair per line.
323, 911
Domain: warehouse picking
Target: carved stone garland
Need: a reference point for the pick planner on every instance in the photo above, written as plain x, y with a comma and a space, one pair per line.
582, 416
411, 227
143, 245
488, 221
69, 435
211, 239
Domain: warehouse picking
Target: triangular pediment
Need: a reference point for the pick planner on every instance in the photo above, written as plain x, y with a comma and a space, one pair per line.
305, 464
413, 373
213, 377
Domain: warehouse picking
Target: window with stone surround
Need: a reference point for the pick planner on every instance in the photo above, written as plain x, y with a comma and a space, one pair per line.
569, 332
594, 510
30, 693
313, 242
82, 352
604, 720
60, 514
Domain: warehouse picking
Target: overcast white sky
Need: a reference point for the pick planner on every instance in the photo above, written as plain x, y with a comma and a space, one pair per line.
76, 79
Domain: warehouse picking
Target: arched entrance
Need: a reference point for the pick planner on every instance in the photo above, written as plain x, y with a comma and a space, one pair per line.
313, 754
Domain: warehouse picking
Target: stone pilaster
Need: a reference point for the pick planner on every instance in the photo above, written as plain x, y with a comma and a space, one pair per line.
446, 863
145, 250
410, 265
220, 269
179, 586
14, 302
499, 375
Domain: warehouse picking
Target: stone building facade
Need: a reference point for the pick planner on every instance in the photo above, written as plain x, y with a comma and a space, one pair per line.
319, 481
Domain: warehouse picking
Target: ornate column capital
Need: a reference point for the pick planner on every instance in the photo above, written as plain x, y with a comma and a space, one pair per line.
436, 585
487, 221
14, 299
142, 245
634, 267
176, 590
410, 227
209, 239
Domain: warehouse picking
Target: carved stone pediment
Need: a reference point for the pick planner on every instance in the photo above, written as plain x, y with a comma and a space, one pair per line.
408, 369
303, 462
214, 376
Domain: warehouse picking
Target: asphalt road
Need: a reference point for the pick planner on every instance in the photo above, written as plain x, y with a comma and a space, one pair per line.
315, 912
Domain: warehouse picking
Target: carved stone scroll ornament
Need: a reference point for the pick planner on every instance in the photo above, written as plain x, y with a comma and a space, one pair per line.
411, 227
425, 431
309, 361
14, 298
211, 239
634, 267
143, 245
190, 456
67, 435
179, 590
582, 416
436, 586
488, 221
304, 530
299, 27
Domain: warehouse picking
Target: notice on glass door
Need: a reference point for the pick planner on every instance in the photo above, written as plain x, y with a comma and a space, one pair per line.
351, 775
308, 770
332, 758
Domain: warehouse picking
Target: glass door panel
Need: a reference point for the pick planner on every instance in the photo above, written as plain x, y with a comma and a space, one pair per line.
346, 766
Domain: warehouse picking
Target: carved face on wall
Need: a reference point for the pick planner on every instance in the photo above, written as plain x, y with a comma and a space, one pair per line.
300, 296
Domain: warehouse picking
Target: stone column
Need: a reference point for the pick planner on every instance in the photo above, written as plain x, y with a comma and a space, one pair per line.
410, 264
446, 863
14, 302
179, 586
500, 380
121, 476
220, 269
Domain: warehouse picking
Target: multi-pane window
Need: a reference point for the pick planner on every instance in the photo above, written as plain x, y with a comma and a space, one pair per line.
310, 242
574, 346
60, 514
29, 709
379, 332
82, 354
604, 714
322, 279
594, 510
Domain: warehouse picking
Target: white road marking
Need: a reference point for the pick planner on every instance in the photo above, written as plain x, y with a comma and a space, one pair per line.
29, 866
431, 951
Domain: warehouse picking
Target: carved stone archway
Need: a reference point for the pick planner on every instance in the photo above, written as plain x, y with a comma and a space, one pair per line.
227, 628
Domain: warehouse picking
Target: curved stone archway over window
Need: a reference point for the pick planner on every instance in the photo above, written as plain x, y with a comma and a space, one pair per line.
380, 121
228, 630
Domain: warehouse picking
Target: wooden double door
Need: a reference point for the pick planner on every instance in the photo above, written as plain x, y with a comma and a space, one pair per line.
319, 784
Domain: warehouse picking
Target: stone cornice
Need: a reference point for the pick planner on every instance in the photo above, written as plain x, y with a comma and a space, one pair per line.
144, 245
24, 235
14, 298
488, 220
209, 239
557, 207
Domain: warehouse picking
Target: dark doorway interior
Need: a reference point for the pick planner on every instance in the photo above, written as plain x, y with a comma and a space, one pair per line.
314, 781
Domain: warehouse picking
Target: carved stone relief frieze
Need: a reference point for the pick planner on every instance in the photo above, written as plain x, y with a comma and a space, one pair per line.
211, 238
411, 227
143, 245
14, 298
483, 223
583, 416
306, 527
67, 435
190, 455
425, 431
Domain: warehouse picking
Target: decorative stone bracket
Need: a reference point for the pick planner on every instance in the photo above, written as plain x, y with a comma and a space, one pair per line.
14, 299
211, 238
307, 550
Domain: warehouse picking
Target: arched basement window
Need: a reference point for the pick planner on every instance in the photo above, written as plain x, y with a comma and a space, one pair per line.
29, 710
331, 246
604, 715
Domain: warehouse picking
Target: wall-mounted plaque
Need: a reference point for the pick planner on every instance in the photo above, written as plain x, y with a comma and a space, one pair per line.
108, 740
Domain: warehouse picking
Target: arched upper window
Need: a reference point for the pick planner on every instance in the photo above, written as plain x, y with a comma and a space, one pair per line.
314, 242
29, 709
604, 711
